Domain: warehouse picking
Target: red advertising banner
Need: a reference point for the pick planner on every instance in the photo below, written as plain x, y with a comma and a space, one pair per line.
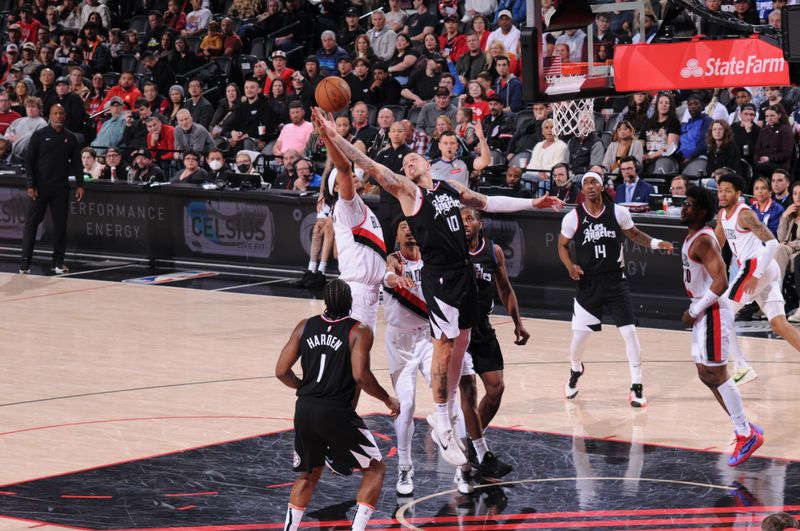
699, 65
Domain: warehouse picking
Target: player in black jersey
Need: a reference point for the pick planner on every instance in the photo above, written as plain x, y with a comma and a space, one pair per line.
484, 355
448, 282
333, 350
597, 226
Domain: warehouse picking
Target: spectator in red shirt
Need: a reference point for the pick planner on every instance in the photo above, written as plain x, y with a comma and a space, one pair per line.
29, 26
125, 90
160, 139
232, 43
451, 41
6, 114
175, 18
280, 70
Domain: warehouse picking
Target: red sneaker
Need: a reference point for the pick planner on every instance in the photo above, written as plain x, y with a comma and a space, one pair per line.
746, 445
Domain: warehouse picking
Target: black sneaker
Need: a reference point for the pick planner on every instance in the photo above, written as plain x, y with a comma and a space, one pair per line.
472, 455
317, 281
25, 268
571, 387
492, 467
301, 282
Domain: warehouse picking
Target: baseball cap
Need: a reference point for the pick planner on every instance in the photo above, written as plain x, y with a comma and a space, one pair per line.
734, 90
27, 8
312, 59
345, 58
112, 149
74, 49
116, 100
494, 97
29, 46
451, 18
352, 12
62, 79
504, 13
15, 68
380, 65
142, 153
12, 48
278, 53
14, 27
591, 175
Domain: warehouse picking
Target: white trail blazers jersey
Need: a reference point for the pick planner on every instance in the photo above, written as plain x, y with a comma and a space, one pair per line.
404, 308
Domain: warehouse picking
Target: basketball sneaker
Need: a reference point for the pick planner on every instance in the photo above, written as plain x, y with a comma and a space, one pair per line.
746, 445
744, 375
25, 268
432, 423
317, 280
492, 467
637, 396
301, 282
571, 387
405, 480
795, 317
463, 482
59, 269
449, 449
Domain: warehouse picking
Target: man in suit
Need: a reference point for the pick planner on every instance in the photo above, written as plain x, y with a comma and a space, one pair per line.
633, 189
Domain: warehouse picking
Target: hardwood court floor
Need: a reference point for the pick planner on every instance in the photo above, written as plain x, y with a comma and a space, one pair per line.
96, 372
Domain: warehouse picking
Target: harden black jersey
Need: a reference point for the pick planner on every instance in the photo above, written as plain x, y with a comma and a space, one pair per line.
437, 227
484, 262
598, 239
325, 359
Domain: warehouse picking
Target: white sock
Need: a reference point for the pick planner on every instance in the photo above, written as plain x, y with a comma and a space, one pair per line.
312, 266
442, 417
293, 516
733, 403
362, 516
480, 448
404, 423
736, 352
460, 426
323, 266
633, 350
577, 347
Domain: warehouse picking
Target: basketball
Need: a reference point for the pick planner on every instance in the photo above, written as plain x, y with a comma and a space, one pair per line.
332, 94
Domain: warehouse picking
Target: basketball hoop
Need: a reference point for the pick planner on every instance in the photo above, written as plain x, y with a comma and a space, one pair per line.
574, 117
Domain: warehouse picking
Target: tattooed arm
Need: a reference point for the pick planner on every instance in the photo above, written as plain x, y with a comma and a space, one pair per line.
749, 221
398, 185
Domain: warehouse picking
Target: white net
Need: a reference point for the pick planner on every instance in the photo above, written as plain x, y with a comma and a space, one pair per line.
575, 117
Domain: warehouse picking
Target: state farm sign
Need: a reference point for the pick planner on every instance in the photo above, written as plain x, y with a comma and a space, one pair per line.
698, 65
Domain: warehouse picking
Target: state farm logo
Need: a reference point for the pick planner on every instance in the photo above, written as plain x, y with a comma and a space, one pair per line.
692, 69
715, 66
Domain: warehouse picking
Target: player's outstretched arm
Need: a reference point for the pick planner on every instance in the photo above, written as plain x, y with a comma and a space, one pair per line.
506, 293
646, 240
394, 277
360, 345
289, 356
501, 204
398, 185
485, 157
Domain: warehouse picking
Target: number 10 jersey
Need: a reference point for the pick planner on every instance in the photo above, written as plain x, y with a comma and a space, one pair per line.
436, 224
598, 239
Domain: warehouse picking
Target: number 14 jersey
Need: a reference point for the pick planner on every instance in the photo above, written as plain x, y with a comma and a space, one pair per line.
598, 239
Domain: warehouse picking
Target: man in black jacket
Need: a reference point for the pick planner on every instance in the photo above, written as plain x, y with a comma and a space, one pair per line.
53, 155
73, 107
253, 123
498, 127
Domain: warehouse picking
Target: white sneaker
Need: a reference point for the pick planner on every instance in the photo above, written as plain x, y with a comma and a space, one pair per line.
463, 482
432, 423
636, 396
448, 447
795, 317
744, 375
405, 481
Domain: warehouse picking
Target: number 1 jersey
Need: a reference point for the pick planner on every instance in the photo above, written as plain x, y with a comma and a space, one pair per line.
598, 239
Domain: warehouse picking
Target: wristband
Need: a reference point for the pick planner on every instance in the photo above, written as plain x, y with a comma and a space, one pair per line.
654, 243
700, 305
386, 278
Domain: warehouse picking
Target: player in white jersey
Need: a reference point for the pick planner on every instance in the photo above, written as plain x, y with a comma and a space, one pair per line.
359, 242
713, 333
408, 341
754, 247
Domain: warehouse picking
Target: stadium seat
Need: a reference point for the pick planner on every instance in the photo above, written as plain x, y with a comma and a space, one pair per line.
258, 48
225, 65
605, 138
398, 110
245, 64
522, 117
525, 154
138, 23
193, 43
128, 63
413, 114
662, 166
747, 170
111, 78
696, 168
372, 113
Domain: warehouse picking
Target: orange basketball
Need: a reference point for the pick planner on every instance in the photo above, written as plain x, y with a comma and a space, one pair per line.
332, 94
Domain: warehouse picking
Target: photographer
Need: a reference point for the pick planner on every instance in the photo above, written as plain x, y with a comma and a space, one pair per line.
135, 134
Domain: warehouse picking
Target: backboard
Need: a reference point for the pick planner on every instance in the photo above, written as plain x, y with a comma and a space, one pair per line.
568, 48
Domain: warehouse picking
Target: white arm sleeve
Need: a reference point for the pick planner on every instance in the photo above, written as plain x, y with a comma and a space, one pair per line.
623, 216
502, 205
569, 224
767, 255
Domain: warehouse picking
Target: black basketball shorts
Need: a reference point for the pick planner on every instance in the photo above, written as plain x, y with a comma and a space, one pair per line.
484, 354
452, 299
319, 426
596, 293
